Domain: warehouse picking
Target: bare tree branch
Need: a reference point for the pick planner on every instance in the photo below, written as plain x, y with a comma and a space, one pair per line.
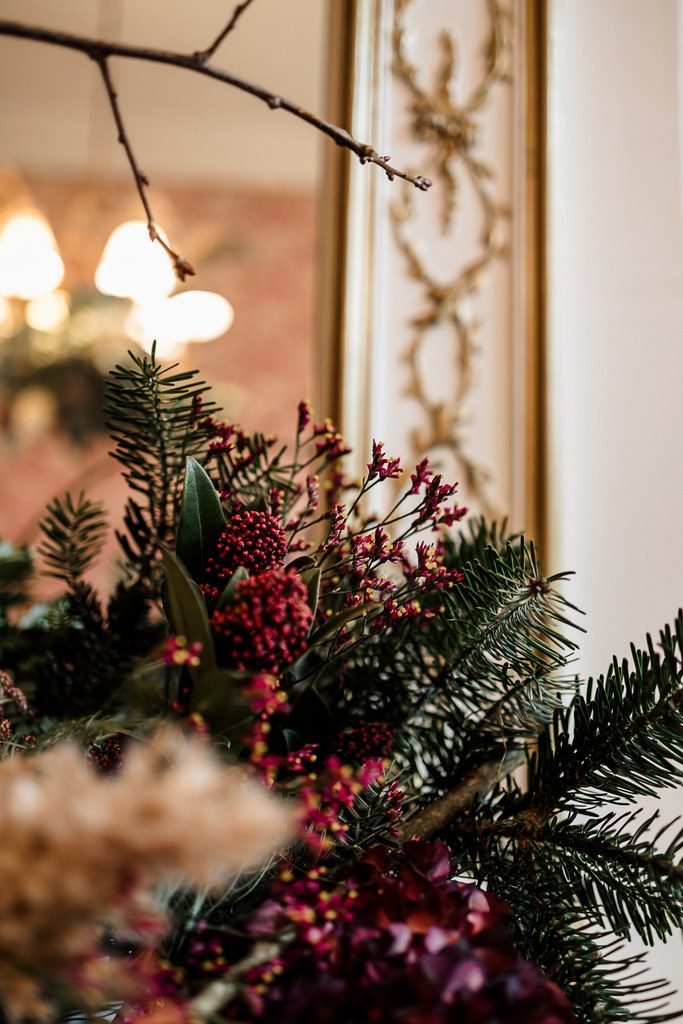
100, 51
207, 54
182, 267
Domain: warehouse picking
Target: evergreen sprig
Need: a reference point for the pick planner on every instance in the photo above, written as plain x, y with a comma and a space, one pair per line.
74, 531
152, 414
493, 664
622, 740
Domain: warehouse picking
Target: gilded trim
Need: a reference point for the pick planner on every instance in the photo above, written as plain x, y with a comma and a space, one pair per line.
536, 167
452, 133
356, 40
348, 223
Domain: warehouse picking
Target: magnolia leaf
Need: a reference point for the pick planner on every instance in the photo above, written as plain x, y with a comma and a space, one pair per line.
218, 696
186, 611
331, 627
301, 562
311, 580
228, 594
202, 519
292, 740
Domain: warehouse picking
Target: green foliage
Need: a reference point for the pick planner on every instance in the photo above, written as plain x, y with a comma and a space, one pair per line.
152, 415
624, 738
574, 868
568, 942
16, 567
480, 678
476, 693
202, 519
74, 532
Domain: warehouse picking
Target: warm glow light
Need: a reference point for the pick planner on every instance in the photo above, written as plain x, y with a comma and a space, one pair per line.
10, 319
190, 316
34, 411
133, 267
30, 265
49, 313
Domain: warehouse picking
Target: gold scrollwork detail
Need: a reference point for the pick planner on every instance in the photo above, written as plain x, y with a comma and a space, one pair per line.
452, 132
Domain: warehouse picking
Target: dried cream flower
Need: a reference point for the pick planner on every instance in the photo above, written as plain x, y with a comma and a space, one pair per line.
80, 850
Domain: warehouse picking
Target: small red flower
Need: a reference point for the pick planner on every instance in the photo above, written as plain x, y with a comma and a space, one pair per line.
381, 466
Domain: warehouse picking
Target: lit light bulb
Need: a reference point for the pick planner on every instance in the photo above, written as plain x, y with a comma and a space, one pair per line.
49, 313
30, 265
193, 316
133, 267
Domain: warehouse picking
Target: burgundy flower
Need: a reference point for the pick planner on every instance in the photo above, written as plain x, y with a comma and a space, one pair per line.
266, 626
395, 941
252, 539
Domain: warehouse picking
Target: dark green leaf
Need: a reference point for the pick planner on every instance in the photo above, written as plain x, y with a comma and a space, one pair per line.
186, 611
330, 628
301, 562
202, 519
292, 740
219, 697
228, 595
311, 579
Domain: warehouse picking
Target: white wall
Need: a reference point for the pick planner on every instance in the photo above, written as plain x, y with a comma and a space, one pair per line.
616, 332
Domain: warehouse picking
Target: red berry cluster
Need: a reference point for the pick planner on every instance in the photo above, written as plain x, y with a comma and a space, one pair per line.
107, 755
252, 539
266, 627
360, 743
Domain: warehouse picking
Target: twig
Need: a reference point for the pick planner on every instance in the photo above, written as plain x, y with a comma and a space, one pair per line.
207, 54
431, 819
100, 51
221, 991
182, 267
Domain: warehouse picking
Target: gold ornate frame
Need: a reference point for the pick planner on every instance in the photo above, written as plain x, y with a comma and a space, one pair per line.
359, 29
535, 246
347, 236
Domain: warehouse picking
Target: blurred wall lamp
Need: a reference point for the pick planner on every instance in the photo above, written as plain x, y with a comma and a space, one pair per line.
131, 268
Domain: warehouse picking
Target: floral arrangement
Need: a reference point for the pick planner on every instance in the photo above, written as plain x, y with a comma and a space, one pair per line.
315, 761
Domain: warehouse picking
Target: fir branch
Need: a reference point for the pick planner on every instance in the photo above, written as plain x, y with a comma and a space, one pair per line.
553, 844
622, 740
623, 877
74, 532
506, 611
438, 814
153, 423
474, 538
563, 937
16, 567
492, 681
